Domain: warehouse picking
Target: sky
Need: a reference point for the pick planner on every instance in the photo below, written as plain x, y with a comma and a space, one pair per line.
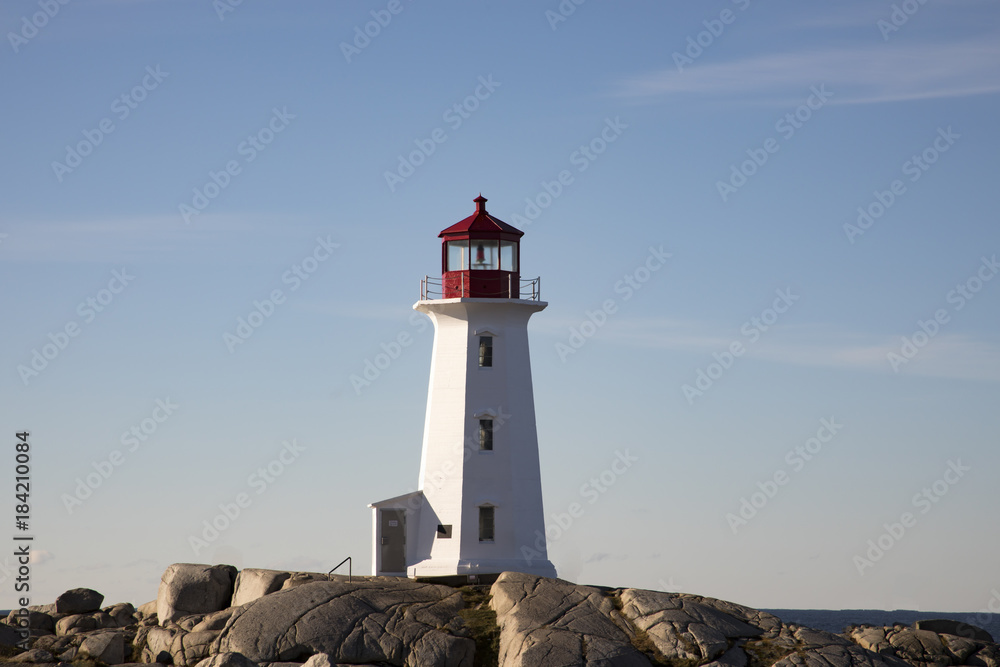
766, 233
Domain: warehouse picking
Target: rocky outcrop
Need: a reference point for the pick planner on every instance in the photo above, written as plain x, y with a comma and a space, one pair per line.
946, 626
107, 647
253, 583
187, 589
552, 622
921, 647
295, 619
359, 622
228, 660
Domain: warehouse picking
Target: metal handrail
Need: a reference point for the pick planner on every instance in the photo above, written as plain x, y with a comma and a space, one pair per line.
350, 573
433, 288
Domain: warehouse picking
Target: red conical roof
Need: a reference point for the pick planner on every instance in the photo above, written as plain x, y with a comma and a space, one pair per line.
481, 221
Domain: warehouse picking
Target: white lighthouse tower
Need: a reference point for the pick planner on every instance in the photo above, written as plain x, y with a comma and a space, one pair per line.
478, 508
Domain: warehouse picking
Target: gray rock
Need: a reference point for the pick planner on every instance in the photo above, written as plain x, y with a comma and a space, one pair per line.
49, 609
77, 623
547, 622
734, 657
188, 622
35, 655
682, 627
227, 660
872, 639
320, 660
947, 626
158, 644
401, 623
215, 621
921, 646
108, 647
147, 609
57, 645
187, 589
79, 601
174, 645
988, 656
37, 620
252, 583
9, 636
122, 613
300, 578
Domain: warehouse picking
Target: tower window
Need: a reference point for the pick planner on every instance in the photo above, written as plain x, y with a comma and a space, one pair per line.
486, 523
486, 435
485, 351
444, 531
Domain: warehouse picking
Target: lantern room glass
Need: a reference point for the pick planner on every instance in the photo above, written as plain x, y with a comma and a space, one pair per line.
508, 256
484, 255
458, 256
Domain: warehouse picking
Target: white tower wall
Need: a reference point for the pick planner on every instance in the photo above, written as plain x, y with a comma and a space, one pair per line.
456, 477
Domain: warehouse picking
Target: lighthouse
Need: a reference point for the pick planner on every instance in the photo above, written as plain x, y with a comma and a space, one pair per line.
477, 510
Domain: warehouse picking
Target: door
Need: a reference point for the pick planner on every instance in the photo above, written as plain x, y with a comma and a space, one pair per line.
393, 540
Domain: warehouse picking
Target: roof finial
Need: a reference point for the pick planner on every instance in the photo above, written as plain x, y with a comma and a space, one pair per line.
480, 203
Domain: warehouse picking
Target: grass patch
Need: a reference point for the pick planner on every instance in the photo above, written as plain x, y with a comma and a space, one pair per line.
8, 652
764, 652
643, 642
482, 623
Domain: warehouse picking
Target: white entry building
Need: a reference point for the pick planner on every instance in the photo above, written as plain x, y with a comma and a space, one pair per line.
478, 507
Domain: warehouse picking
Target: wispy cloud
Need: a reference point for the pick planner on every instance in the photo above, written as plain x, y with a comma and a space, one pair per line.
130, 238
873, 74
947, 355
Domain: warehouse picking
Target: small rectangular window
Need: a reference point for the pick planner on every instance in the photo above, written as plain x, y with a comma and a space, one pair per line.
486, 524
444, 531
486, 435
485, 350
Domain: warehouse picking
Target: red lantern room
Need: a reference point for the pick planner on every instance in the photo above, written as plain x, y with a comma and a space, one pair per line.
480, 257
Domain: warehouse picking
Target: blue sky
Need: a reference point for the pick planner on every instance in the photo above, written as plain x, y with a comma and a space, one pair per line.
213, 158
